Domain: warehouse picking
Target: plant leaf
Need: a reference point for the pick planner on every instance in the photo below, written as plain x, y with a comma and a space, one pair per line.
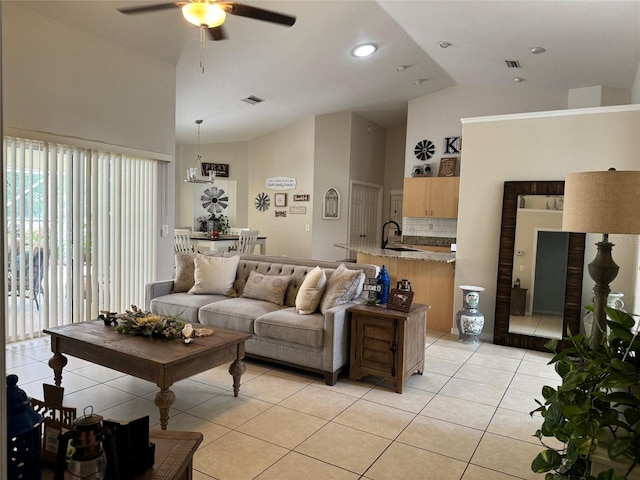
618, 446
545, 461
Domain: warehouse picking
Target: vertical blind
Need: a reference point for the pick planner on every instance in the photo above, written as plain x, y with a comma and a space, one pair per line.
81, 229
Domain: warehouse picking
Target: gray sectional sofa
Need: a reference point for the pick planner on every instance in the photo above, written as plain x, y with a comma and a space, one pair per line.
317, 341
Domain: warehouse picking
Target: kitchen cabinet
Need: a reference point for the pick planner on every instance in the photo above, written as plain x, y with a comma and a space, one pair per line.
387, 343
435, 197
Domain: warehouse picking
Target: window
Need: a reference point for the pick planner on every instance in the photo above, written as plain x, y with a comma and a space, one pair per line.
80, 233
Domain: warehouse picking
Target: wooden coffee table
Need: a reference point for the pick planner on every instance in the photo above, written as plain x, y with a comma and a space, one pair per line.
159, 360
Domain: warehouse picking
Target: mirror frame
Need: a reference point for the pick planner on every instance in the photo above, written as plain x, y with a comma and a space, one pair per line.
575, 266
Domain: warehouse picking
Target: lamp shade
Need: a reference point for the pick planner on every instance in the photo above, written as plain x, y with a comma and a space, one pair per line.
602, 202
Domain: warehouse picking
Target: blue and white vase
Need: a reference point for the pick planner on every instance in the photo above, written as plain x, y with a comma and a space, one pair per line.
469, 320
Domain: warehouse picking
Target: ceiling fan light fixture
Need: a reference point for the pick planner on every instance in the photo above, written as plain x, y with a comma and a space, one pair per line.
204, 14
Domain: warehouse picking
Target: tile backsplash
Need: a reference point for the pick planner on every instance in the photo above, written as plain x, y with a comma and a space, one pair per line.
429, 227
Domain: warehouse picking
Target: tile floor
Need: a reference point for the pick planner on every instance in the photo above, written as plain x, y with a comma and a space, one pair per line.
466, 418
540, 324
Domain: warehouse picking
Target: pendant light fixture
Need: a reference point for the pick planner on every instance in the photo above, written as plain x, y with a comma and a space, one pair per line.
192, 172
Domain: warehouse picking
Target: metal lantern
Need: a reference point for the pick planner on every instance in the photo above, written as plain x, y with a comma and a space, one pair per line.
24, 434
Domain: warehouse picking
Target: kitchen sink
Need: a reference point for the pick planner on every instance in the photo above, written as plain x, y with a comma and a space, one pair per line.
401, 249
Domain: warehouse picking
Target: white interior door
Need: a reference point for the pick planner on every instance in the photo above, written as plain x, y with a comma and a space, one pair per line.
364, 212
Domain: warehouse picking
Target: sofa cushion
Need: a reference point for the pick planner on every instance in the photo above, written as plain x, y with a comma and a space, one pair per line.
341, 287
288, 325
310, 292
270, 288
235, 313
182, 305
185, 268
214, 275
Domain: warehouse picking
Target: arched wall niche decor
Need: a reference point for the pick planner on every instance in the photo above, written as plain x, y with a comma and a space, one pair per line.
331, 204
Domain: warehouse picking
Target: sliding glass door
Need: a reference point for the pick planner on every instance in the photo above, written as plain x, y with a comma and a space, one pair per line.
81, 229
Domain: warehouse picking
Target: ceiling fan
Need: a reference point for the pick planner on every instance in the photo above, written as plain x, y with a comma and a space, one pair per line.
210, 14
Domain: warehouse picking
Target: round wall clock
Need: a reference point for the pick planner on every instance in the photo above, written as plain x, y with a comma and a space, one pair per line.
262, 202
424, 149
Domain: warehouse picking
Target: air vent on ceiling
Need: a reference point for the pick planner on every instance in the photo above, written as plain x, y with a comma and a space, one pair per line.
252, 100
512, 63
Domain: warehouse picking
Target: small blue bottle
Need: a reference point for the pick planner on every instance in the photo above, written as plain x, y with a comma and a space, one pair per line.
386, 283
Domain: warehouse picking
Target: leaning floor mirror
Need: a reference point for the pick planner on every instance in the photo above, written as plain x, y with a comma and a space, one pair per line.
540, 267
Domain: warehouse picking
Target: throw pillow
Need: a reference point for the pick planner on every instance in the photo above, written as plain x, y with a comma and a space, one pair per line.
310, 292
341, 286
215, 275
185, 269
270, 288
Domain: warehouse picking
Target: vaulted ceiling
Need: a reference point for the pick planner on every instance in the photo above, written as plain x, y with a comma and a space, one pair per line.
308, 69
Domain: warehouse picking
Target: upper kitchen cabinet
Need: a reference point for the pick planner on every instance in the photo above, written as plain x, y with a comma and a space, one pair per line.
435, 197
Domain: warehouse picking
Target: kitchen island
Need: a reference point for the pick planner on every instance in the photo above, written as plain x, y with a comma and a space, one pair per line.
431, 273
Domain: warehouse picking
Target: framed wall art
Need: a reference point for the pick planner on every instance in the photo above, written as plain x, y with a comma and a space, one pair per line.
331, 204
447, 167
280, 199
220, 169
297, 210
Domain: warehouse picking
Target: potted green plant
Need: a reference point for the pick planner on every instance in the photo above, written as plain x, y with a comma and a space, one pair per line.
595, 412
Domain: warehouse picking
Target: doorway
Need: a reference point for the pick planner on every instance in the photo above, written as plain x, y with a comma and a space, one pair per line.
364, 212
550, 272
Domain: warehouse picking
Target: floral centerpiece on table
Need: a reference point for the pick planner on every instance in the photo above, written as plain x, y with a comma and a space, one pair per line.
213, 222
139, 322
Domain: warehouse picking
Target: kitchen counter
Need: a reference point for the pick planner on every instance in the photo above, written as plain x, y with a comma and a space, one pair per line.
431, 273
414, 254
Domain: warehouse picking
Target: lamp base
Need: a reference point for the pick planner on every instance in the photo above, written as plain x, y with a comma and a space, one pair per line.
602, 270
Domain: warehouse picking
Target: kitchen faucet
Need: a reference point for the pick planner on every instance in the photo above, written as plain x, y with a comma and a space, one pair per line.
398, 232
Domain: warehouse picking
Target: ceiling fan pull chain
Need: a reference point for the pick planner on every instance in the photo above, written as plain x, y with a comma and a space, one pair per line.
202, 28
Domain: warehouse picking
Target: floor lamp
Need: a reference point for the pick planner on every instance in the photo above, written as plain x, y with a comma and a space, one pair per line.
602, 202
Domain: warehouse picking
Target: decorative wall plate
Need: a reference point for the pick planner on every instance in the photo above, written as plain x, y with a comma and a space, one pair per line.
424, 149
262, 202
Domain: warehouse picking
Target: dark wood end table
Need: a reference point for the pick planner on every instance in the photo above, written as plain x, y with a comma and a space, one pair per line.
387, 343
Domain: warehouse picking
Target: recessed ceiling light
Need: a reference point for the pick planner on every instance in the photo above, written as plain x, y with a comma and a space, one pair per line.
519, 79
420, 81
444, 44
364, 50
538, 50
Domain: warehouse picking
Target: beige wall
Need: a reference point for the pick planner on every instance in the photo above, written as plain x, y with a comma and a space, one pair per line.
235, 154
285, 153
367, 151
394, 164
438, 115
69, 83
331, 169
635, 91
537, 147
325, 151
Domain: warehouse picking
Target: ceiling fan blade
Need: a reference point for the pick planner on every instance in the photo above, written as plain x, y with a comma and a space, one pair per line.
258, 13
217, 33
150, 8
